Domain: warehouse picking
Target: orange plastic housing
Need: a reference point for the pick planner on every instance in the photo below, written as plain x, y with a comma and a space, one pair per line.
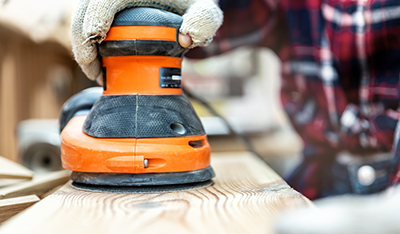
80, 152
138, 75
127, 75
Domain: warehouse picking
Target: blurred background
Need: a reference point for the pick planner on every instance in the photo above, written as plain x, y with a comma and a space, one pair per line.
38, 74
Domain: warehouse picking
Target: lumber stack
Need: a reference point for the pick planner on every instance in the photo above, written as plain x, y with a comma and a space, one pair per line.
20, 187
246, 196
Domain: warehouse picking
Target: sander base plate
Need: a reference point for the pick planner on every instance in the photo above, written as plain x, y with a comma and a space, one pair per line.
140, 189
142, 182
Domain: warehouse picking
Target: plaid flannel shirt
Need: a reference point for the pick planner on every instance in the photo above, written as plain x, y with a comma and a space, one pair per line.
340, 71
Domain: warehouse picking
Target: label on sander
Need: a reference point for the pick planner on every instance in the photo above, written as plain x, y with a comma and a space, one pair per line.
170, 77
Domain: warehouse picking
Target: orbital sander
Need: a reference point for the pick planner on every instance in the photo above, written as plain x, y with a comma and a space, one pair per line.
141, 130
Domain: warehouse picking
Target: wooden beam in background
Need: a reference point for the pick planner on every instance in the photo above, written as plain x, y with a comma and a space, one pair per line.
8, 99
246, 197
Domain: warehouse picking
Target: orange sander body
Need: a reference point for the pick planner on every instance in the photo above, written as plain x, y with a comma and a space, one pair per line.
141, 131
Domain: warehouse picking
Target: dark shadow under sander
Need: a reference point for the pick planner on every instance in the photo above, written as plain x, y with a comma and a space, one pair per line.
140, 189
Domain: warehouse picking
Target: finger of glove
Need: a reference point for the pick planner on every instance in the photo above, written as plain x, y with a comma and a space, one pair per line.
84, 52
99, 80
93, 70
100, 13
342, 214
201, 21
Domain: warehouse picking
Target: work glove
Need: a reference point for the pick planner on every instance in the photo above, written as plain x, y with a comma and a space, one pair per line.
93, 18
348, 214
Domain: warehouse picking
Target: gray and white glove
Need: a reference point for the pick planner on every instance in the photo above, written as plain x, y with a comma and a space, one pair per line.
348, 214
93, 18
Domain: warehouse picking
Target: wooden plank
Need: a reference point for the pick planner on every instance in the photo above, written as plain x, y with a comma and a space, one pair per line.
12, 206
39, 185
8, 182
48, 193
12, 170
245, 198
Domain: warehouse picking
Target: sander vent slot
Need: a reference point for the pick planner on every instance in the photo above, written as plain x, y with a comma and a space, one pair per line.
196, 144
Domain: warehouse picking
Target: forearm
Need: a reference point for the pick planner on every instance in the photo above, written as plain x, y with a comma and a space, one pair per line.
247, 23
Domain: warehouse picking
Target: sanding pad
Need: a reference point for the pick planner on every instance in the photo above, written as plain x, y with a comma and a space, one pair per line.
143, 179
140, 189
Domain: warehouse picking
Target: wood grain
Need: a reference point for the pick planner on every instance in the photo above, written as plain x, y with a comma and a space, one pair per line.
245, 198
12, 206
12, 170
39, 185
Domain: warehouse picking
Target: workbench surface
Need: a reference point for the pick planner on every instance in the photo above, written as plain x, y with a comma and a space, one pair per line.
246, 197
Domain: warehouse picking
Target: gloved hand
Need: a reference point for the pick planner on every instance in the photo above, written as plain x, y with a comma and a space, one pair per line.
346, 214
92, 20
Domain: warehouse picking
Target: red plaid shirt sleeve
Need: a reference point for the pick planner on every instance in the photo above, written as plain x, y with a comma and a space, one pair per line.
254, 22
340, 70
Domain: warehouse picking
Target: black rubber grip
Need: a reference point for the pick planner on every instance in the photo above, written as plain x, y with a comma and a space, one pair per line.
142, 116
147, 17
79, 103
141, 48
